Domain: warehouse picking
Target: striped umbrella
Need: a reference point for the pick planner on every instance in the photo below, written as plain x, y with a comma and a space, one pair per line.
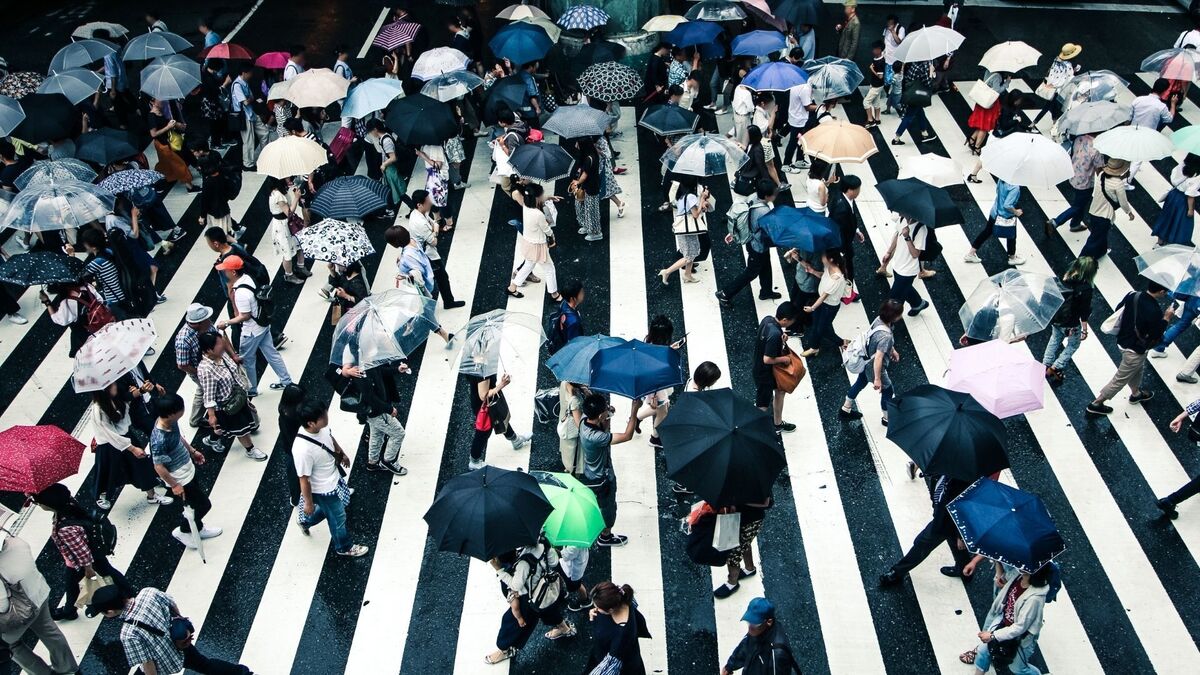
610, 81
336, 242
171, 77
350, 197
77, 84
396, 34
56, 169
583, 17
575, 121
130, 180
11, 114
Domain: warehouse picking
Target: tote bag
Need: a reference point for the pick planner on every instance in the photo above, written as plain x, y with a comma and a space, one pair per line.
983, 95
727, 533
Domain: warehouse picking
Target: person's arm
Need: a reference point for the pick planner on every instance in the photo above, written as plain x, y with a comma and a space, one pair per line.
166, 477
306, 493
630, 425
737, 660
908, 241
240, 317
878, 368
148, 668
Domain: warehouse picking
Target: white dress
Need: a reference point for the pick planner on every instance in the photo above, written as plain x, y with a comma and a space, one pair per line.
285, 243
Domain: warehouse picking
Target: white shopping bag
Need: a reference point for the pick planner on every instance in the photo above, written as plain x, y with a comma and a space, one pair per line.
727, 533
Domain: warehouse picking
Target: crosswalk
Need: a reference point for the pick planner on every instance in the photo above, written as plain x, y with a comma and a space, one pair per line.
274, 598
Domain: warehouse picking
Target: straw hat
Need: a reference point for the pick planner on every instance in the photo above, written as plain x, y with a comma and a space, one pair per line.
1116, 167
1069, 51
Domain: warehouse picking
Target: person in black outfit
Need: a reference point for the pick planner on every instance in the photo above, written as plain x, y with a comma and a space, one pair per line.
758, 249
617, 625
764, 650
656, 74
940, 528
1142, 325
289, 425
843, 210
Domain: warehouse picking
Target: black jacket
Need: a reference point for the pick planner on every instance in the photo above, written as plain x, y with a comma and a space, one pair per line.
848, 219
1142, 324
214, 196
1077, 304
766, 654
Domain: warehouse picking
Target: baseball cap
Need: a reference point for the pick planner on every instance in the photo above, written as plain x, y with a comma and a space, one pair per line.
233, 262
106, 598
197, 312
757, 612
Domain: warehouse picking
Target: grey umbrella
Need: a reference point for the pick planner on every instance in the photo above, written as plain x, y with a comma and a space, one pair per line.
77, 84
170, 78
575, 121
11, 114
154, 45
81, 53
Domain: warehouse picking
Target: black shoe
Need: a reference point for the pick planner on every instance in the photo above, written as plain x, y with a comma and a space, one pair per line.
890, 578
785, 428
455, 304
1094, 408
926, 139
722, 298
954, 572
883, 421
612, 540
394, 468
1141, 397
744, 573
176, 234
656, 441
374, 466
65, 613
770, 295
849, 414
725, 590
919, 308
281, 341
1167, 508
1078, 228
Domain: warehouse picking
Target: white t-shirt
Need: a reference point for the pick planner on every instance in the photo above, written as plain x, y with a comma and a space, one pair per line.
890, 43
1188, 186
902, 261
743, 100
1189, 39
421, 229
246, 303
312, 460
833, 284
762, 119
799, 98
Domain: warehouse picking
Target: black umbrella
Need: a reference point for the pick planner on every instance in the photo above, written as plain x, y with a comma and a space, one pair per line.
507, 92
486, 512
722, 447
105, 146
41, 267
947, 433
420, 120
920, 202
599, 51
48, 117
669, 120
796, 12
541, 161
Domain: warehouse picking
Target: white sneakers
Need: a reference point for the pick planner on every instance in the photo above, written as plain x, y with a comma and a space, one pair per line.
256, 454
521, 441
473, 464
188, 538
1156, 354
18, 319
160, 500
971, 258
1016, 260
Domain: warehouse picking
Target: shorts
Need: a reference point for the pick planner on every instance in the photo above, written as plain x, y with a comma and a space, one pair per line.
764, 393
874, 98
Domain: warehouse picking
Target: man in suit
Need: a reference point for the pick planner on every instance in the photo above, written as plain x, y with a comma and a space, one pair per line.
843, 210
940, 528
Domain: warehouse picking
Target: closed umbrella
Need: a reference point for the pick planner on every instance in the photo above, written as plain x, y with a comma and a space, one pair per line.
610, 82
1009, 305
704, 155
79, 54
947, 433
831, 77
692, 33
551, 28
541, 161
1093, 117
11, 114
336, 242
55, 169
1175, 267
521, 11
384, 327
1178, 63
1012, 56
583, 18
494, 341
57, 205
759, 43
41, 267
573, 361
507, 93
576, 519
1027, 159
396, 35
521, 43
228, 51
668, 120
487, 512
32, 458
171, 77
21, 84
1136, 144
105, 146
933, 169
928, 43
636, 369
839, 142
316, 88
291, 156
1094, 85
370, 96
799, 12
77, 84
800, 228
129, 180
420, 120
197, 542
574, 121
437, 61
273, 60
350, 197
920, 202
1010, 526
775, 76
153, 45
1004, 378
722, 448
716, 10
48, 117
451, 86
663, 23
111, 352
599, 51
89, 30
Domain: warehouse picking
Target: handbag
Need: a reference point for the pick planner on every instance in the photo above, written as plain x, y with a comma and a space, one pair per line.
1046, 90
483, 419
1006, 228
919, 95
341, 143
788, 376
983, 95
742, 185
295, 223
610, 665
1003, 652
237, 396
727, 532
21, 609
236, 121
89, 586
175, 140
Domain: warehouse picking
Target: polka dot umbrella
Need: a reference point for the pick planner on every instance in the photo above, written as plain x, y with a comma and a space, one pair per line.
583, 17
34, 458
610, 81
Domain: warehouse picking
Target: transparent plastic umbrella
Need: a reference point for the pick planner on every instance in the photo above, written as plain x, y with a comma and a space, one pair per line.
1136, 144
450, 86
55, 169
385, 327
1177, 63
495, 342
716, 10
1093, 117
367, 97
437, 61
11, 114
1174, 266
704, 155
1009, 305
831, 77
77, 84
153, 45
57, 205
170, 78
1094, 85
80, 53
111, 352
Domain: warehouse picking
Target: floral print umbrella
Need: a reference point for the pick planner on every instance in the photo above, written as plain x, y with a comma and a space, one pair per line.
335, 241
610, 81
111, 352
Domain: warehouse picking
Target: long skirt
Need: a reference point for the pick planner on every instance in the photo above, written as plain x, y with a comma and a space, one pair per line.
1174, 225
587, 212
116, 468
171, 165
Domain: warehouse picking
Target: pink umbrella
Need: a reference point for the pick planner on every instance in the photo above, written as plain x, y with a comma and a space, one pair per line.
761, 10
34, 458
1004, 378
273, 60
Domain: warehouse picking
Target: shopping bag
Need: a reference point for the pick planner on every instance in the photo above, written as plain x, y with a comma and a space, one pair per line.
89, 586
727, 532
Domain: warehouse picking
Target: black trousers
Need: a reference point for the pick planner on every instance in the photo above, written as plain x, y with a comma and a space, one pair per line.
442, 281
927, 542
8, 305
986, 233
757, 265
194, 496
194, 660
102, 567
513, 635
793, 134
480, 440
1191, 489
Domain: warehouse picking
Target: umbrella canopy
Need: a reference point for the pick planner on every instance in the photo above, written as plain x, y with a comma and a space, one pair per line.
336, 242
600, 51
928, 44
492, 341
575, 121
77, 84
716, 10
663, 23
1187, 139
760, 10
11, 114
610, 82
1007, 525
775, 76
438, 61
370, 96
722, 447
420, 120
521, 11
273, 60
692, 33
1175, 267
153, 45
1094, 85
573, 361
451, 86
316, 88
487, 512
759, 43
111, 352
171, 77
227, 50
396, 35
933, 169
81, 53
668, 120
291, 156
1093, 117
1010, 57
1031, 160
55, 169
704, 155
947, 433
34, 458
90, 29
583, 17
635, 369
547, 25
576, 519
920, 202
384, 327
129, 180
799, 12
1173, 64
505, 93
1010, 304
350, 197
831, 77
521, 43
105, 146
41, 267
541, 161
57, 205
1004, 378
48, 117
1136, 144
800, 228
839, 142
22, 84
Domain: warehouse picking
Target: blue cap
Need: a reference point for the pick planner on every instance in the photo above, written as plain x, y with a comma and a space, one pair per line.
758, 611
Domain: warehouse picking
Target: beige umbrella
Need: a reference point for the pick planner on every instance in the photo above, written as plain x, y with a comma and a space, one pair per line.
316, 88
547, 25
663, 23
839, 142
934, 169
521, 11
279, 90
291, 156
1010, 57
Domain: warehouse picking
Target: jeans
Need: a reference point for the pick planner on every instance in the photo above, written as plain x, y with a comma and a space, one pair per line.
757, 265
913, 114
822, 332
867, 376
103, 568
1073, 335
387, 428
193, 495
1077, 212
902, 289
1020, 664
249, 348
1191, 310
329, 507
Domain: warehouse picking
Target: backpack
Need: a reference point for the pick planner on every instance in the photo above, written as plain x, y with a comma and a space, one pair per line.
93, 313
233, 180
266, 304
254, 267
549, 576
556, 334
738, 220
545, 405
855, 357
1062, 317
140, 294
100, 532
933, 248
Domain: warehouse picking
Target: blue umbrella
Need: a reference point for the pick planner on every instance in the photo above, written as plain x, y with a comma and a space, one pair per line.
692, 33
1007, 525
759, 43
583, 17
712, 51
775, 76
130, 180
635, 369
573, 362
350, 197
373, 95
802, 229
521, 43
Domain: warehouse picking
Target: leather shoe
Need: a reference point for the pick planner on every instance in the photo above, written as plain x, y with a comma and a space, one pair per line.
890, 578
954, 572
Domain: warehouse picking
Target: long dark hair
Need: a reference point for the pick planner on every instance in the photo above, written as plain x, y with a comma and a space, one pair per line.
608, 596
660, 331
115, 408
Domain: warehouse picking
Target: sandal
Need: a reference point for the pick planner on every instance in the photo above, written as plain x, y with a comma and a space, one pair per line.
557, 297
967, 657
513, 294
505, 655
570, 632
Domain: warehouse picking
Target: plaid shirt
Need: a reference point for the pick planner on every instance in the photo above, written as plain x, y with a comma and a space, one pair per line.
187, 346
153, 608
216, 379
71, 541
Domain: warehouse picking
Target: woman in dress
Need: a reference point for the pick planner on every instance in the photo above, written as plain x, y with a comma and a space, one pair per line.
570, 416
1178, 216
437, 184
1061, 71
616, 627
121, 456
658, 403
535, 240
282, 202
692, 203
586, 188
983, 120
830, 291
169, 164
609, 189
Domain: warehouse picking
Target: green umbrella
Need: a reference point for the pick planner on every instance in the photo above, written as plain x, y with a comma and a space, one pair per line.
576, 519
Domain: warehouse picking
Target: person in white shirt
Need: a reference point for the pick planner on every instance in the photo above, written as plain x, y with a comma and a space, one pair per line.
341, 67
323, 492
119, 460
800, 109
155, 24
18, 569
534, 241
256, 337
1188, 39
425, 231
743, 108
904, 254
253, 131
1151, 112
295, 63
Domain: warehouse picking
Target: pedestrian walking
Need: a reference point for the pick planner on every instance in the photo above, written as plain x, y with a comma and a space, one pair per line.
283, 202
585, 187
769, 350
570, 417
843, 210
905, 259
19, 574
875, 100
1108, 195
596, 438
744, 230
121, 456
740, 564
535, 240
765, 649
1177, 219
848, 32
693, 203
197, 320
535, 592
413, 265
1140, 327
492, 416
175, 462
224, 386
244, 118
832, 290
1002, 220
320, 462
1069, 326
1086, 163
617, 625
254, 312
943, 489
1016, 615
425, 231
289, 424
918, 78
376, 388
1061, 70
878, 349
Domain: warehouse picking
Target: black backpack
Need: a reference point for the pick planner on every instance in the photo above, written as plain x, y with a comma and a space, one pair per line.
254, 267
101, 534
556, 334
266, 304
140, 294
699, 543
232, 173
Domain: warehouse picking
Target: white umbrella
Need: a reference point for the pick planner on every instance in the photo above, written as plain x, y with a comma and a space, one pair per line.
111, 352
279, 90
664, 23
1027, 159
437, 61
1010, 57
521, 11
291, 156
552, 29
928, 44
316, 88
197, 541
933, 169
77, 84
1136, 144
88, 30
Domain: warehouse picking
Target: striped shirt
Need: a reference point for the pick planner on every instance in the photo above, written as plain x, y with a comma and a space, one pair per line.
1193, 407
108, 278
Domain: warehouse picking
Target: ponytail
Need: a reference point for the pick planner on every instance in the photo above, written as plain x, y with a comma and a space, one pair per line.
608, 596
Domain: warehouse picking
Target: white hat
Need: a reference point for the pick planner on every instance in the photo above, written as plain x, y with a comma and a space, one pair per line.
197, 312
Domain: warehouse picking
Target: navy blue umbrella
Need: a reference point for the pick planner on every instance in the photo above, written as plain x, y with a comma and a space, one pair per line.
521, 43
506, 93
802, 229
692, 33
797, 12
1006, 525
635, 369
573, 362
668, 120
350, 197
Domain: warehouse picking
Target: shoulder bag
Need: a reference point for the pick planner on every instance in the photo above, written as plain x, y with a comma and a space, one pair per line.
1112, 325
1003, 652
237, 396
1045, 90
983, 95
21, 609
1005, 228
337, 464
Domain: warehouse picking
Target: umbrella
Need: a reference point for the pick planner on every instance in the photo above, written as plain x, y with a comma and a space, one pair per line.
933, 169
775, 76
667, 120
573, 361
759, 9
635, 369
1004, 378
129, 180
609, 82
438, 61
541, 161
831, 77
420, 120
487, 512
947, 433
41, 267
55, 169
48, 117
1010, 304
279, 90
11, 114
111, 352
1010, 57
716, 10
90, 29
663, 23
722, 447
1187, 139
506, 93
491, 342
1093, 117
521, 43
799, 12
1094, 85
1173, 64
547, 25
574, 121
928, 43
351, 197
1010, 526
521, 11
1027, 159
692, 33
153, 45
840, 141
758, 43
273, 60
396, 35
451, 86
920, 202
57, 205
77, 84
372, 95
1174, 266
34, 458
228, 51
105, 146
335, 242
80, 54
384, 327
316, 88
1136, 144
600, 51
583, 17
576, 519
291, 156
171, 77
800, 228
189, 514
704, 155
22, 84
